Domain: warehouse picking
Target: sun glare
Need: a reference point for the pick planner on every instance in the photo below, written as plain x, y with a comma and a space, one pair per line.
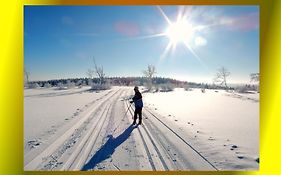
180, 31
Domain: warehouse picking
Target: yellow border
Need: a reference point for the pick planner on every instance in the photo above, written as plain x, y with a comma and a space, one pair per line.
11, 80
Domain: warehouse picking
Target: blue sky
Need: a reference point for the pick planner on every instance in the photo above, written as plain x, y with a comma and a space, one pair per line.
61, 41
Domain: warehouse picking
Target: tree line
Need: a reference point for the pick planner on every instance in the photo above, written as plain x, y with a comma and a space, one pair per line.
96, 78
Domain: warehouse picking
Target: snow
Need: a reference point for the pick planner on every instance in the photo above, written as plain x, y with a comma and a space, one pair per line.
215, 115
44, 108
78, 129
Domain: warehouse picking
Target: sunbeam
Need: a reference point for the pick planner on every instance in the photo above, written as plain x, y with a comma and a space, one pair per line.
147, 36
182, 31
164, 15
166, 51
190, 49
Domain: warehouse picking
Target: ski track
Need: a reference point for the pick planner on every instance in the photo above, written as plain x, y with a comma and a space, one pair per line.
161, 155
60, 142
100, 133
53, 134
177, 136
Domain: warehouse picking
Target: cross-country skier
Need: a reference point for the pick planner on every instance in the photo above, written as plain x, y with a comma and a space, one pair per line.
137, 99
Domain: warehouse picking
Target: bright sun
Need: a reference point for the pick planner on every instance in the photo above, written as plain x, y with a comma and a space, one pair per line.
180, 31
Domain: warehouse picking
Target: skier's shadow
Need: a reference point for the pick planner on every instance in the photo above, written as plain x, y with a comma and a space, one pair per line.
108, 148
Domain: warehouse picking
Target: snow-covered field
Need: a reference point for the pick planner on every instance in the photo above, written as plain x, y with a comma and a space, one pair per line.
222, 124
78, 129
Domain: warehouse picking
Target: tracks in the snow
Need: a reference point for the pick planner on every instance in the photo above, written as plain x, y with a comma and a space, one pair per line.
161, 147
167, 150
71, 149
78, 158
181, 138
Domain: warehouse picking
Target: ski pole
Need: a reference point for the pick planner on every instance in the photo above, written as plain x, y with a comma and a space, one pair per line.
128, 109
122, 119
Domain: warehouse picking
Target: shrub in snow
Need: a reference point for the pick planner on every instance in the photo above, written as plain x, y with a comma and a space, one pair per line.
33, 85
70, 84
61, 86
105, 86
186, 87
165, 87
148, 86
243, 89
90, 82
247, 88
84, 83
78, 83
47, 85
258, 89
135, 83
156, 88
168, 87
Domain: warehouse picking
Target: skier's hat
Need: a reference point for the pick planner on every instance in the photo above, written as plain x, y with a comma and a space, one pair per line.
136, 88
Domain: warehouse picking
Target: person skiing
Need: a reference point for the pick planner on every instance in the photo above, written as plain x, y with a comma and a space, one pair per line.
137, 99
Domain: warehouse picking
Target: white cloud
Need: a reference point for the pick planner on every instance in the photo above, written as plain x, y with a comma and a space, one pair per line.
200, 41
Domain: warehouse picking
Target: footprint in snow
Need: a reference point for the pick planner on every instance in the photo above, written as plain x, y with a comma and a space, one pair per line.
34, 143
240, 157
52, 131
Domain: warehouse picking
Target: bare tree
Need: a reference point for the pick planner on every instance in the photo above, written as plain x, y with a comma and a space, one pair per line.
149, 73
221, 76
90, 73
99, 72
255, 77
26, 77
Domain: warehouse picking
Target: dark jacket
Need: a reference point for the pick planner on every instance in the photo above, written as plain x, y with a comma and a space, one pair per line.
138, 100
